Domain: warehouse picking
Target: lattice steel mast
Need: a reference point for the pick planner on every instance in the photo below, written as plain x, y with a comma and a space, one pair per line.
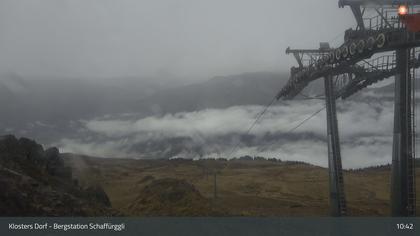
346, 70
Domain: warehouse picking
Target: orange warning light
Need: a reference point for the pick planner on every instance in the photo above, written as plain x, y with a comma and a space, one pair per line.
411, 21
402, 10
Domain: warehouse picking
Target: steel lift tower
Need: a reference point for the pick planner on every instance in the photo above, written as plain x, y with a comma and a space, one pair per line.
336, 184
378, 48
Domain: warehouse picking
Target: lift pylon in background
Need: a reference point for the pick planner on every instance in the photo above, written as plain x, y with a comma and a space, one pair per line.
336, 183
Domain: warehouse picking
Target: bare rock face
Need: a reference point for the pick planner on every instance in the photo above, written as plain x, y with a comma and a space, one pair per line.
26, 155
36, 182
10, 151
33, 151
55, 164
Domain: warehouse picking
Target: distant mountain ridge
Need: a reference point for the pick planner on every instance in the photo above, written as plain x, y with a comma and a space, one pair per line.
36, 104
50, 110
219, 92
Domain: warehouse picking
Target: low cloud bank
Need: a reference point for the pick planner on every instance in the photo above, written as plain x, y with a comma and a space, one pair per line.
365, 132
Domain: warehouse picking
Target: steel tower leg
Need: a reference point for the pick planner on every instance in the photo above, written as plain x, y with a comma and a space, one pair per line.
337, 197
402, 182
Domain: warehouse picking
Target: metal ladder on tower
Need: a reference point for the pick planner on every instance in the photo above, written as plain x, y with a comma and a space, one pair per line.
337, 194
342, 199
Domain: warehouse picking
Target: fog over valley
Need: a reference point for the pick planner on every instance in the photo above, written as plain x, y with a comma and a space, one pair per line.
141, 119
179, 79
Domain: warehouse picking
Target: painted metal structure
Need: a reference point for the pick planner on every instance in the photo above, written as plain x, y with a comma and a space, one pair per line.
378, 48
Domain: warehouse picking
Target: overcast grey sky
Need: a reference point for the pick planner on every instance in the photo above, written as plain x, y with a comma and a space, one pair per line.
184, 38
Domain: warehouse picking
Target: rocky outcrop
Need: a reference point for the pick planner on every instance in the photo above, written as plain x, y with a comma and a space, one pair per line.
55, 164
26, 155
36, 182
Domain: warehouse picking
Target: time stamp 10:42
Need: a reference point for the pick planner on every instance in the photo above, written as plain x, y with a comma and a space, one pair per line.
405, 226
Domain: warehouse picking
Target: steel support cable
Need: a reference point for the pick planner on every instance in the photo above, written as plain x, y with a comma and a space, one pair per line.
261, 114
299, 125
305, 120
307, 97
257, 119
